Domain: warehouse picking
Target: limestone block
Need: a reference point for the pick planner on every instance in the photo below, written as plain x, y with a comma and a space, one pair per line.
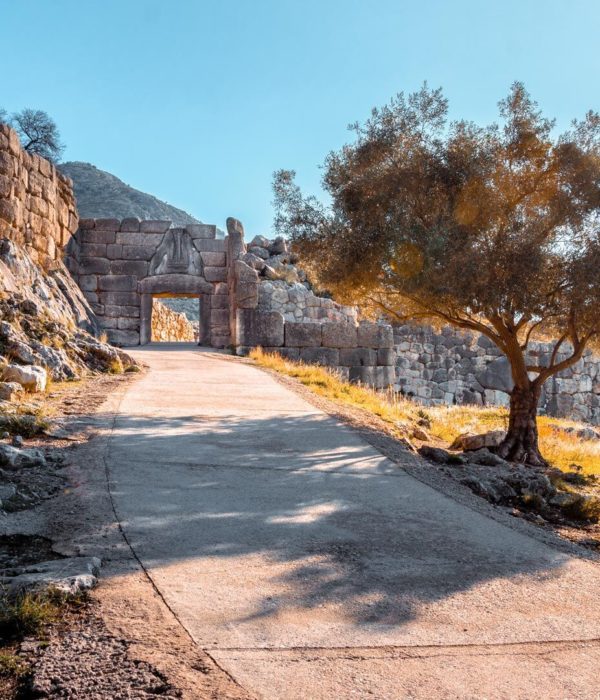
122, 311
259, 328
215, 274
338, 334
147, 240
220, 301
211, 259
117, 283
30, 377
497, 375
88, 283
95, 250
108, 225
120, 298
386, 357
5, 186
139, 268
137, 252
207, 245
114, 251
94, 266
363, 375
128, 324
8, 164
154, 226
201, 230
246, 287
10, 391
287, 353
358, 357
219, 317
97, 236
130, 224
262, 253
219, 341
329, 357
221, 289
302, 334
123, 338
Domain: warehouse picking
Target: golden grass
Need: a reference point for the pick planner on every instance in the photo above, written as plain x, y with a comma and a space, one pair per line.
444, 422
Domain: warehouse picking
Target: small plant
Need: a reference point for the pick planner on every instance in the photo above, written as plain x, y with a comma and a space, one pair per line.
133, 369
28, 613
26, 425
115, 366
11, 666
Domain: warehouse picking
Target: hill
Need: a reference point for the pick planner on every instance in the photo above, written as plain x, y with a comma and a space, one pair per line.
102, 195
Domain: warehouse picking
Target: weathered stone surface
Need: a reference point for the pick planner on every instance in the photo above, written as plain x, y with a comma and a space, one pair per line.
363, 375
94, 266
329, 357
117, 283
30, 377
201, 230
107, 224
358, 357
94, 236
302, 334
213, 259
137, 252
123, 338
497, 375
246, 286
207, 245
130, 224
285, 352
9, 391
386, 357
154, 226
255, 328
215, 274
149, 240
467, 442
339, 335
139, 268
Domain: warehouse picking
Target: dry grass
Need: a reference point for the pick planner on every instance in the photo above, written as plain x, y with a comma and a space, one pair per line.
443, 422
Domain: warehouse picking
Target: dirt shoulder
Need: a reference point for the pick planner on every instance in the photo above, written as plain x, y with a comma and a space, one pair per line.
121, 640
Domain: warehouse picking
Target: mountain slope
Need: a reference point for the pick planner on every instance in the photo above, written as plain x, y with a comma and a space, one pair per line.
102, 195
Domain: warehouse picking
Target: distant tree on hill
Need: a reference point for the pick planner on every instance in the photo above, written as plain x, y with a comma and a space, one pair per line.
38, 132
492, 229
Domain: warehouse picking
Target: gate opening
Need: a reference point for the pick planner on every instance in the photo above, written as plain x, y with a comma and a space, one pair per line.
175, 319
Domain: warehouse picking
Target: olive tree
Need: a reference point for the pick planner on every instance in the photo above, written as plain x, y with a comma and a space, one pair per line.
38, 133
491, 229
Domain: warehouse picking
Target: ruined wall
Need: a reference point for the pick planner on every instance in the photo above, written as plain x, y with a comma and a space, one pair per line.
37, 207
121, 265
453, 367
171, 326
272, 305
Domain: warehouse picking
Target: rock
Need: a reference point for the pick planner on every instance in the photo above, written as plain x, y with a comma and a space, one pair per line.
30, 377
278, 246
484, 456
9, 391
563, 499
13, 458
339, 334
70, 576
419, 434
258, 251
497, 376
17, 441
269, 273
7, 491
435, 454
468, 441
254, 261
259, 241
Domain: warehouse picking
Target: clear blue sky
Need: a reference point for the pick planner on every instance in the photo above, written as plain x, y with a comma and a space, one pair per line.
198, 102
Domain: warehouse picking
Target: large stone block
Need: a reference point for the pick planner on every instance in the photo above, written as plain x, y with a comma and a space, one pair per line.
220, 301
246, 286
123, 338
386, 357
120, 298
287, 353
108, 225
207, 245
122, 311
130, 224
219, 317
259, 328
375, 335
94, 266
128, 324
201, 230
97, 236
338, 334
215, 274
358, 357
137, 252
140, 239
88, 283
139, 268
114, 251
328, 357
95, 250
154, 226
213, 259
302, 334
363, 375
87, 224
117, 283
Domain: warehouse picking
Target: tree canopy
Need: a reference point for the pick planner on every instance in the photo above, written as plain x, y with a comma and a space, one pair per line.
492, 229
37, 131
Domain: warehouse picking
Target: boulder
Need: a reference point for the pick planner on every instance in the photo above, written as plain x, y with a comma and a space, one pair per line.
339, 334
259, 242
497, 376
302, 334
487, 458
30, 377
468, 441
278, 246
9, 391
70, 576
13, 458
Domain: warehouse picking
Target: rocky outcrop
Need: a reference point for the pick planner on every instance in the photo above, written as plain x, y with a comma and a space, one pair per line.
171, 326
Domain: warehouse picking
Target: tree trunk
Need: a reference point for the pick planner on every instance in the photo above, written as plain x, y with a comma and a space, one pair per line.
521, 441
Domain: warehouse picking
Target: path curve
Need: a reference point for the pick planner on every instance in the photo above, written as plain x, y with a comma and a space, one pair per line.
311, 567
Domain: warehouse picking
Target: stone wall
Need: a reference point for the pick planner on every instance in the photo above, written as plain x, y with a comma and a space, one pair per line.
453, 367
37, 207
272, 306
122, 265
171, 326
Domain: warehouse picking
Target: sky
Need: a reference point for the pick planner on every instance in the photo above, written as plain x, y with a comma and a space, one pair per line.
198, 102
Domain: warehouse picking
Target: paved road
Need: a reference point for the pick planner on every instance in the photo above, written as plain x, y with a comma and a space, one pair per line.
310, 566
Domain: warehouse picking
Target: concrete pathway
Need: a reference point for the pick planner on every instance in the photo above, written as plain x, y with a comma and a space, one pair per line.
310, 566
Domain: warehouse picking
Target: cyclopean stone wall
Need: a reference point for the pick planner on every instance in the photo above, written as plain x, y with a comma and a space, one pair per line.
37, 207
171, 326
453, 367
272, 306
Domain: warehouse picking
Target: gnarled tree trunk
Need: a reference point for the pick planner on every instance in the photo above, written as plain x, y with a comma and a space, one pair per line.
521, 441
